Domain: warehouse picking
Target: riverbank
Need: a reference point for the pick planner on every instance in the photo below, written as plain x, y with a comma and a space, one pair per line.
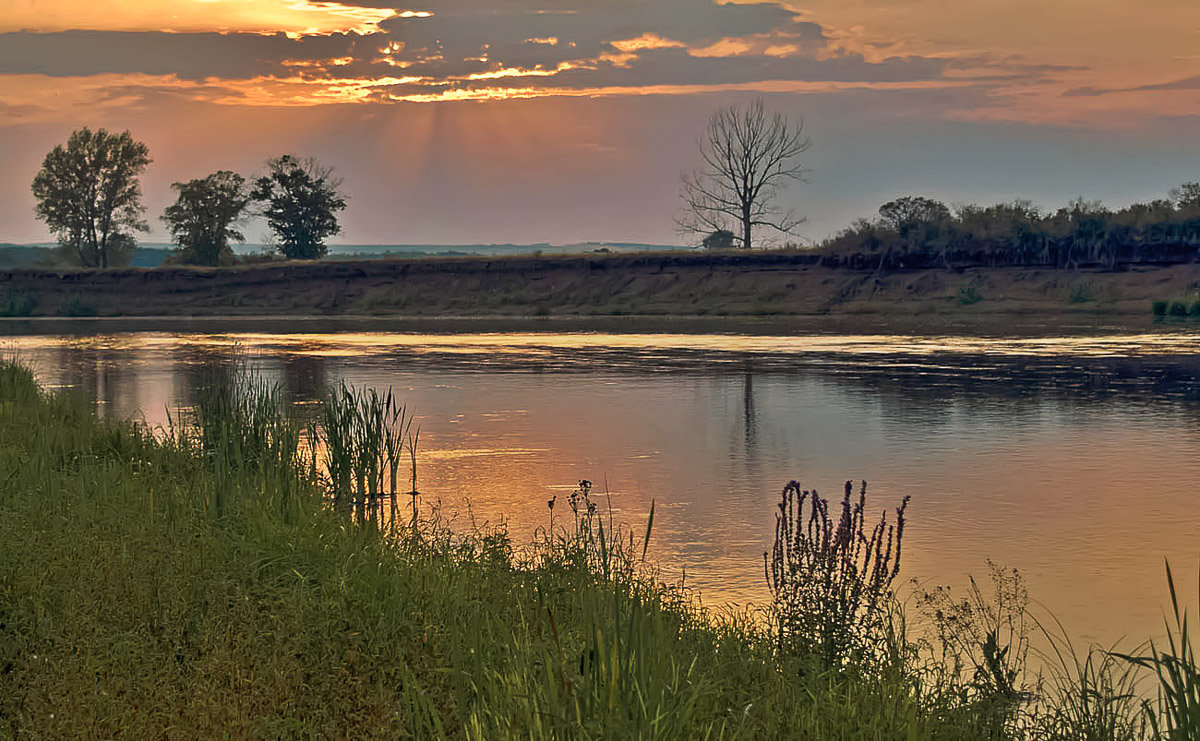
775, 286
198, 585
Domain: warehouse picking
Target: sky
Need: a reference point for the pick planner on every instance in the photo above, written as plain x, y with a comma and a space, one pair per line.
528, 121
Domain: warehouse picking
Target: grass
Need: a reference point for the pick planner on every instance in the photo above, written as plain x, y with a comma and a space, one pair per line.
1177, 673
201, 582
1176, 309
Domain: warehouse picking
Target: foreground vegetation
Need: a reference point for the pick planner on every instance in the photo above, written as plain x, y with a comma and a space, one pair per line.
223, 578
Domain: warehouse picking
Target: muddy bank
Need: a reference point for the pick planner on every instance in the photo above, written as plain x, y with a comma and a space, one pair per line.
775, 287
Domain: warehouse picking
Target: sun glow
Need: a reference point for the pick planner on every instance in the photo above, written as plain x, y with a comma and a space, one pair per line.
645, 41
293, 17
517, 72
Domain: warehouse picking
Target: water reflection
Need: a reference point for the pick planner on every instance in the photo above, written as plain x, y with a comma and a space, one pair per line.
1072, 459
305, 377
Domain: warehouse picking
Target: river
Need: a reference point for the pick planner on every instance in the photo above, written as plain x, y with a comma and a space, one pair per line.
1070, 458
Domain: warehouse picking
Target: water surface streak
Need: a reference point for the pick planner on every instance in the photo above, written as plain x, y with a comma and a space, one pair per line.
1073, 459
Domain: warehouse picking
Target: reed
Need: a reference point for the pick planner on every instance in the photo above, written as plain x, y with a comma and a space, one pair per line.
363, 435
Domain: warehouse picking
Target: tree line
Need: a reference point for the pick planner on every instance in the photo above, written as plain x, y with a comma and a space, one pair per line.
749, 157
88, 192
1020, 233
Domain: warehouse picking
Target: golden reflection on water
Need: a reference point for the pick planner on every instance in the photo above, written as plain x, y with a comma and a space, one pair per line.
1084, 489
357, 344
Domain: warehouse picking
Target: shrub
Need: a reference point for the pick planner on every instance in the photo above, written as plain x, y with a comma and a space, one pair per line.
1178, 308
1159, 308
968, 293
75, 306
16, 304
1082, 291
987, 637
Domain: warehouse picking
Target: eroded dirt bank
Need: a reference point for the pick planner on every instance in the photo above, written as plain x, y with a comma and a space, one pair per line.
766, 285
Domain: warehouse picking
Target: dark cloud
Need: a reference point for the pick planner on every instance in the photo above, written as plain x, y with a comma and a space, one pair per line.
468, 44
193, 56
1187, 83
462, 28
674, 67
19, 112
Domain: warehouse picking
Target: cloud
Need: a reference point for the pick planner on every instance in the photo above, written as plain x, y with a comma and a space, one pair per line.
1186, 83
195, 56
456, 49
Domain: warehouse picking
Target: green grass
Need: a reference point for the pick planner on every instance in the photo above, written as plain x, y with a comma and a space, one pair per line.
1176, 309
198, 582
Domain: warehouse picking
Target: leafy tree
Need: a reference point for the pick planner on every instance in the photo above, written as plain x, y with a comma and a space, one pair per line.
1019, 233
301, 204
916, 220
749, 157
721, 239
202, 219
90, 196
910, 214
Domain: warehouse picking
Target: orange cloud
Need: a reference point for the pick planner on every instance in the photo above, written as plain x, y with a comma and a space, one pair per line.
37, 100
645, 41
1074, 43
724, 48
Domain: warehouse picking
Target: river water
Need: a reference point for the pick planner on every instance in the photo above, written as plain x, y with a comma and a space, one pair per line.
1073, 459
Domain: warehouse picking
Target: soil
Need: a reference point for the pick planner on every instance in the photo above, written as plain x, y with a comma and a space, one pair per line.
586, 291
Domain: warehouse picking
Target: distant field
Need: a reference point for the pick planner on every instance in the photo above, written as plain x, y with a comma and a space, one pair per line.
601, 285
43, 255
152, 254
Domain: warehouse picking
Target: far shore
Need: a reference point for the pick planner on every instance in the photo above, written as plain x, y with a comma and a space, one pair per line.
644, 293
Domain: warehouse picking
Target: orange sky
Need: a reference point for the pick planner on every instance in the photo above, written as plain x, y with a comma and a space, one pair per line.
1106, 67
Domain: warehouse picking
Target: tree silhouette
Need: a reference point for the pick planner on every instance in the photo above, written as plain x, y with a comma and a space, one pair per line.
89, 194
721, 239
202, 219
301, 204
749, 157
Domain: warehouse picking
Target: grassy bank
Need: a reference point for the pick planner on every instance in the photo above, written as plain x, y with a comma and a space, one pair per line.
695, 284
204, 582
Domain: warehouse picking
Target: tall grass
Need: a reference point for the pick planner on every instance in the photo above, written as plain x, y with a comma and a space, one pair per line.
1176, 714
363, 435
1093, 693
204, 584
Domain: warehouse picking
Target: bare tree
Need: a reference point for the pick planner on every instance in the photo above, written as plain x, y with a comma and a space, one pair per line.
749, 157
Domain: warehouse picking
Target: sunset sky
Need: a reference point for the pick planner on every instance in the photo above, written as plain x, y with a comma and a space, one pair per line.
464, 121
